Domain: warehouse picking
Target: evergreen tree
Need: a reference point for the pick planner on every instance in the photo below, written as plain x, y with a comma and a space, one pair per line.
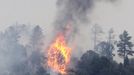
36, 58
13, 54
36, 38
125, 46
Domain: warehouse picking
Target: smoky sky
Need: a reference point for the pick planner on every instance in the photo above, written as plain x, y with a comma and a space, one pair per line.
73, 11
76, 12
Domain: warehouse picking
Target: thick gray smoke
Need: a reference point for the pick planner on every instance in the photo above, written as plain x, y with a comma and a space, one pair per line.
77, 14
72, 11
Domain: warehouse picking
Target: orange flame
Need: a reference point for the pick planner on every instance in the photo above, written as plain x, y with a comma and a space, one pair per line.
59, 55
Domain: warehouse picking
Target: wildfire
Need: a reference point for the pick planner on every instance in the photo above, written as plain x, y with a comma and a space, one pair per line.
59, 55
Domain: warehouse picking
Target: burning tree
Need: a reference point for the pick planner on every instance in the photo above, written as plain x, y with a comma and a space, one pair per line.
59, 55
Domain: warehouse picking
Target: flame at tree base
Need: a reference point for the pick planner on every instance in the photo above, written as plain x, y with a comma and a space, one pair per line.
59, 55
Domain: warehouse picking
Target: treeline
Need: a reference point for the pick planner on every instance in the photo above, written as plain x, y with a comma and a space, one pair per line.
93, 64
21, 53
100, 60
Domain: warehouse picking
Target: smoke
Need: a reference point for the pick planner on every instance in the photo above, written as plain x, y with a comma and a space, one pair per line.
76, 15
72, 11
20, 49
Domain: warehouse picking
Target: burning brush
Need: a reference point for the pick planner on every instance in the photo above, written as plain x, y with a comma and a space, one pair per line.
59, 53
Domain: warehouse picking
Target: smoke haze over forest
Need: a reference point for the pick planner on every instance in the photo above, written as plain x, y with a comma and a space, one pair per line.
29, 27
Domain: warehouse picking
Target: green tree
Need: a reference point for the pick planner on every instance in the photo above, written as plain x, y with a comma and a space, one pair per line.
125, 46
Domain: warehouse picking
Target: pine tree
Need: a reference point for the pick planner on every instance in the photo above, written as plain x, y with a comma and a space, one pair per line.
36, 57
125, 46
37, 38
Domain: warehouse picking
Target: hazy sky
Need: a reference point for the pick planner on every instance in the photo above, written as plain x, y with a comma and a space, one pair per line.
119, 15
42, 12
